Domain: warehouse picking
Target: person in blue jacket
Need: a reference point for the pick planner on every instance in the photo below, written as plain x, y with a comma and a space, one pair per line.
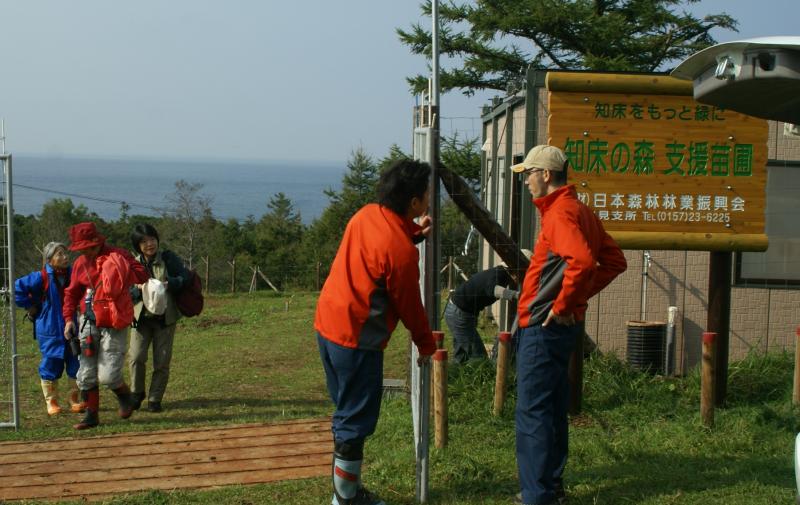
41, 294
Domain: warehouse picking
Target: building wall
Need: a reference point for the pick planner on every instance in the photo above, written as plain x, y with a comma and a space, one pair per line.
762, 319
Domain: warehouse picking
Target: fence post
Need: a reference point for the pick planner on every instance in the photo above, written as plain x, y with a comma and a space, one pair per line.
707, 381
796, 392
233, 275
440, 398
438, 337
205, 286
502, 366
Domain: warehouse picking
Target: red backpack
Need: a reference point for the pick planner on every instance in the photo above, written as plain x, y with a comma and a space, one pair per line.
190, 299
111, 302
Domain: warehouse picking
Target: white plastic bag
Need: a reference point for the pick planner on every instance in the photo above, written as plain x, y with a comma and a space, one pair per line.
154, 296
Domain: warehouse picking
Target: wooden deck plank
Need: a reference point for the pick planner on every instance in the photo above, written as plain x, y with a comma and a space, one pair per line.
188, 482
173, 459
175, 436
206, 470
11, 474
158, 449
155, 448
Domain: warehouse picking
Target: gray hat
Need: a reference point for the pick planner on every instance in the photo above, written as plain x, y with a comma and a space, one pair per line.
51, 248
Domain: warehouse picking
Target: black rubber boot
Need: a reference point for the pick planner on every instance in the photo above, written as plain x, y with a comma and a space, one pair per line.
137, 399
125, 401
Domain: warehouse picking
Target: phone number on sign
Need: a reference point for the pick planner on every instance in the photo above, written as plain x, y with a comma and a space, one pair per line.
688, 217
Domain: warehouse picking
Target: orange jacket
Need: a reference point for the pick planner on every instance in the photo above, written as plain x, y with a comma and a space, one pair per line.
574, 258
373, 283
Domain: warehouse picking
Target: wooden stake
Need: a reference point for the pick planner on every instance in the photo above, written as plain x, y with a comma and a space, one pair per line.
708, 378
261, 274
502, 371
438, 337
440, 398
719, 317
253, 279
233, 275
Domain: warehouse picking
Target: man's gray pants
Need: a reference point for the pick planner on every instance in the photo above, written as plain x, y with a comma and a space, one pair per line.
105, 366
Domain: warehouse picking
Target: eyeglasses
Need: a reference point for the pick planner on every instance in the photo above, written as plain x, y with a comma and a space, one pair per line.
530, 171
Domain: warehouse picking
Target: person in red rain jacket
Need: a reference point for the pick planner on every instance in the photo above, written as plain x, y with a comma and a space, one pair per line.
573, 260
373, 283
103, 349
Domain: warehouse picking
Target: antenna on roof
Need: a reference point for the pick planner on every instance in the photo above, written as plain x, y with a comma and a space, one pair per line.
3, 135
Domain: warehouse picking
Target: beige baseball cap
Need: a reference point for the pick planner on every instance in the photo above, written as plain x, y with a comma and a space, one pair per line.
542, 156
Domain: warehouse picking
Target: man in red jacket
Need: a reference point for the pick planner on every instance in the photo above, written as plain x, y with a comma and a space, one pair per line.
373, 283
102, 349
573, 259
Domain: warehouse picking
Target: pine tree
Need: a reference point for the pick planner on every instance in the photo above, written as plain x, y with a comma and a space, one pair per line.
278, 238
358, 188
498, 40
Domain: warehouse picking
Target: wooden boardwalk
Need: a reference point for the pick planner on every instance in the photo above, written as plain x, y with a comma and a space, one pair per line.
97, 467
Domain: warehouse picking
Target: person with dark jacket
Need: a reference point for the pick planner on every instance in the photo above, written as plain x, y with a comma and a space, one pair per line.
41, 294
573, 259
464, 306
103, 348
157, 329
373, 284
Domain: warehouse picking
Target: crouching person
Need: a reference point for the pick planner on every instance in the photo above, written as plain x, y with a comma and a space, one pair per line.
373, 283
41, 294
112, 271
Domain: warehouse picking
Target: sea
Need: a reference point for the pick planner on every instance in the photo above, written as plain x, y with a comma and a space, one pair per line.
237, 189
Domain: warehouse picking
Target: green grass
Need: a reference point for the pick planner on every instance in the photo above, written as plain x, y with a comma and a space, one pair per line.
639, 439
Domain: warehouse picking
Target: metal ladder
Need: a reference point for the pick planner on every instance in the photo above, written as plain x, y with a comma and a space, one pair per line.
9, 386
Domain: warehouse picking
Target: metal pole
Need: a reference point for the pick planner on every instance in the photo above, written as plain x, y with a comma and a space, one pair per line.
645, 268
9, 287
431, 282
669, 354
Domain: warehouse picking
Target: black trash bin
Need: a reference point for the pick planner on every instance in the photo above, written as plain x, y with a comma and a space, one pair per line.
646, 345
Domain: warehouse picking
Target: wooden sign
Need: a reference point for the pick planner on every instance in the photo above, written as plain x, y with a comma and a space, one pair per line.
659, 169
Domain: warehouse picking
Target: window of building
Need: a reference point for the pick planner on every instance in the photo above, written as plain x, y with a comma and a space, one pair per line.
779, 265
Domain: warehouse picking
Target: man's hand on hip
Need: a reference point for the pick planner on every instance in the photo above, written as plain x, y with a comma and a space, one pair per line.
567, 320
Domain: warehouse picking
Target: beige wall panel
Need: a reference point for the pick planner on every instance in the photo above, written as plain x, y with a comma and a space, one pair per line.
695, 311
787, 147
749, 321
617, 304
784, 318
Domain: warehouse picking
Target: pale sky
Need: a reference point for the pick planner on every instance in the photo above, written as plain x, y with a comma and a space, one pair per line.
240, 79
